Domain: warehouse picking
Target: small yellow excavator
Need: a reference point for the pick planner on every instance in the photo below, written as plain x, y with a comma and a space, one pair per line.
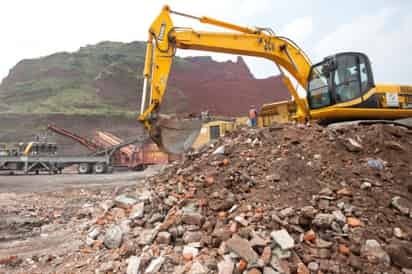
339, 88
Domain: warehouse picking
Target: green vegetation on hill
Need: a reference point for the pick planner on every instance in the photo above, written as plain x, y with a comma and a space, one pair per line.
75, 83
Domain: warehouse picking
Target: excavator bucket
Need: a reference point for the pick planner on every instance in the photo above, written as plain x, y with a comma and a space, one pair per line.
175, 135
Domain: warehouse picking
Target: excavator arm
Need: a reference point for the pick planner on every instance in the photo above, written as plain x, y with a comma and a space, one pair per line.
165, 38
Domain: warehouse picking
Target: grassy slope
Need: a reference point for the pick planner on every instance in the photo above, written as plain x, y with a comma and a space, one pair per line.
65, 82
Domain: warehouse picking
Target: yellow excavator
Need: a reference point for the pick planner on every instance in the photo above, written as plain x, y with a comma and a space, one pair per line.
339, 88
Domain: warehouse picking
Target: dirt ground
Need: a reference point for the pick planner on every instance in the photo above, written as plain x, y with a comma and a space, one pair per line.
40, 215
45, 183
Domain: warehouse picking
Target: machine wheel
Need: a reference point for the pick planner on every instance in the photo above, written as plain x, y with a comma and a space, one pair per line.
83, 168
99, 168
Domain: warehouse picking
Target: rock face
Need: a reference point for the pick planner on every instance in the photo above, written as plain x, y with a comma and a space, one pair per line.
106, 74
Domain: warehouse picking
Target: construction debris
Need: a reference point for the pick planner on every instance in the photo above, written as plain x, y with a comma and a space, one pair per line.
314, 216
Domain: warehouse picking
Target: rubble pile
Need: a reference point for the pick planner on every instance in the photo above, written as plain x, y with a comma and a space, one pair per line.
285, 199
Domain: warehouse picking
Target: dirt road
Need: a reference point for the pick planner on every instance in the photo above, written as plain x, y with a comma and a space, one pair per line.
46, 183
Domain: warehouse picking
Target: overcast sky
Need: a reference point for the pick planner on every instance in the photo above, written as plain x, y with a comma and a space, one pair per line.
382, 29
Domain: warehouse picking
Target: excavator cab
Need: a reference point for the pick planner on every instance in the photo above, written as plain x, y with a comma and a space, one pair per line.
341, 78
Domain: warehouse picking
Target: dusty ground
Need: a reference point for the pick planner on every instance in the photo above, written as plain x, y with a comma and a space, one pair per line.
46, 183
41, 215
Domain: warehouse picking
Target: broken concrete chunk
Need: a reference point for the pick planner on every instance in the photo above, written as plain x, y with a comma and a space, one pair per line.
163, 238
339, 217
113, 237
269, 270
323, 220
190, 252
225, 267
133, 265
373, 251
192, 218
155, 265
137, 211
124, 201
192, 236
243, 249
241, 221
400, 204
352, 145
198, 268
283, 239
147, 236
219, 151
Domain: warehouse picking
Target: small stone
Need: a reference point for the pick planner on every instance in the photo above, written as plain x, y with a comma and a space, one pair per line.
339, 217
94, 233
398, 233
253, 271
302, 269
366, 185
198, 268
113, 237
266, 255
400, 253
147, 236
89, 241
192, 236
155, 265
106, 205
274, 177
223, 249
242, 265
269, 270
323, 220
313, 266
190, 252
226, 267
281, 253
283, 239
308, 212
106, 267
133, 265
375, 164
144, 195
344, 249
219, 151
137, 211
400, 204
309, 236
163, 238
241, 221
242, 248
354, 222
170, 200
192, 218
352, 145
289, 211
124, 201
373, 251
257, 241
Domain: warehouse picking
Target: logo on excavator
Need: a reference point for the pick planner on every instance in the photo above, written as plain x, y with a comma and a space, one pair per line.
268, 45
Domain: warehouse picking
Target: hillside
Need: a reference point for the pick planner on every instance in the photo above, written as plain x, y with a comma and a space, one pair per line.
101, 79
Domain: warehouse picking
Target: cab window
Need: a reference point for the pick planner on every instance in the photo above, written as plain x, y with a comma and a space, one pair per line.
318, 90
364, 75
346, 78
